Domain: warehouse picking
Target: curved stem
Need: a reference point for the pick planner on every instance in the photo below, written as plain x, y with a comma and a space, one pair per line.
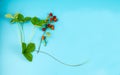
22, 30
20, 33
40, 43
33, 32
72, 65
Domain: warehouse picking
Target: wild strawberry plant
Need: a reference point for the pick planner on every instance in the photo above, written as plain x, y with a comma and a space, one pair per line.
44, 25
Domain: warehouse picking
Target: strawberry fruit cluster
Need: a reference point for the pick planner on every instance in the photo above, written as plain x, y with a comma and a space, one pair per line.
50, 20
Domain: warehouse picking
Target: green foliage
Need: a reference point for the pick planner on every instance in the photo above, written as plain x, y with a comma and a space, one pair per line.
20, 18
27, 19
37, 22
23, 47
28, 56
27, 50
9, 16
30, 48
42, 22
13, 20
17, 18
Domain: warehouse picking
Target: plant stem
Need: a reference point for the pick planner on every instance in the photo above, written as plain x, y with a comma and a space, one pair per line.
31, 36
40, 42
20, 33
23, 35
72, 65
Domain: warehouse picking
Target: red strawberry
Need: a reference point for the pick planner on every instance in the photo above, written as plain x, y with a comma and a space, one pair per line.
54, 17
48, 25
51, 19
50, 14
52, 27
43, 37
43, 29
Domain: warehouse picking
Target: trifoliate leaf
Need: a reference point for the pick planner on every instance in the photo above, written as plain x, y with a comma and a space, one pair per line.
28, 56
23, 47
30, 48
27, 19
9, 16
35, 21
26, 50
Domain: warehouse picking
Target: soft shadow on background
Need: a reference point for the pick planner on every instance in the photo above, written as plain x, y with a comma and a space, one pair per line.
86, 30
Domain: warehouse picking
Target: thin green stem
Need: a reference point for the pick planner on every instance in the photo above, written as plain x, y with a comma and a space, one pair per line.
22, 30
39, 45
72, 65
20, 33
31, 36
40, 42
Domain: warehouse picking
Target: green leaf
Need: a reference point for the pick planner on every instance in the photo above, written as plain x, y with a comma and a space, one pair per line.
17, 18
41, 23
35, 20
27, 19
23, 47
26, 50
13, 21
16, 15
20, 18
30, 48
28, 56
9, 16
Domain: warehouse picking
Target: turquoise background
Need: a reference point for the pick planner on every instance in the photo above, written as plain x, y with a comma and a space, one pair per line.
86, 30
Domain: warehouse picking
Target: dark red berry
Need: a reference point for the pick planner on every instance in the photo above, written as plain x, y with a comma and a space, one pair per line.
52, 27
50, 14
48, 25
54, 17
43, 29
51, 19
